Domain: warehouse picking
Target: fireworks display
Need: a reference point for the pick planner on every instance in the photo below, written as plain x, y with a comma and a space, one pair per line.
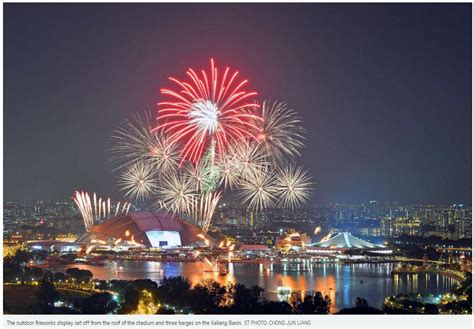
248, 158
177, 194
208, 108
94, 210
139, 181
229, 171
134, 142
203, 209
258, 190
211, 135
293, 185
281, 133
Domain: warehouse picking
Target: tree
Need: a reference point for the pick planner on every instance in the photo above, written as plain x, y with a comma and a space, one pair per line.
307, 306
12, 271
99, 303
22, 256
102, 285
130, 301
207, 297
294, 299
59, 277
361, 303
141, 284
164, 310
246, 300
174, 291
46, 296
457, 307
49, 275
34, 273
313, 303
321, 303
79, 275
431, 309
119, 286
361, 307
275, 308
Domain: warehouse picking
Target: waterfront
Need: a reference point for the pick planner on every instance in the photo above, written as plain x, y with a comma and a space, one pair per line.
343, 283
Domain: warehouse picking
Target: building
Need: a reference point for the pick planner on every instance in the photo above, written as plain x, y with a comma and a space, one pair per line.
146, 229
346, 243
292, 241
53, 245
346, 240
407, 225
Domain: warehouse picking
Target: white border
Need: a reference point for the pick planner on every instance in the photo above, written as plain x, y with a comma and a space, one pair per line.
325, 321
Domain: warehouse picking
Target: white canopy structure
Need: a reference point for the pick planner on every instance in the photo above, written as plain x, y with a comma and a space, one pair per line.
346, 240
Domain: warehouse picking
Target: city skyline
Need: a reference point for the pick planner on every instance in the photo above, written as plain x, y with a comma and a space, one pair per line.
387, 123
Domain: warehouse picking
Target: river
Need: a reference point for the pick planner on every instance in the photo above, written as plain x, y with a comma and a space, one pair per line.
343, 283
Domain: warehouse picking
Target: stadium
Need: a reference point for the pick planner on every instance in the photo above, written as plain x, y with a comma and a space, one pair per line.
346, 242
149, 229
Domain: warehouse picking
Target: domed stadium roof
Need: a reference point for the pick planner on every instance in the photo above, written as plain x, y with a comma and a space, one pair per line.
346, 240
151, 229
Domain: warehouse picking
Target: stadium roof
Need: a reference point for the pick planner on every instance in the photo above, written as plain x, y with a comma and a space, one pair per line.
346, 240
138, 225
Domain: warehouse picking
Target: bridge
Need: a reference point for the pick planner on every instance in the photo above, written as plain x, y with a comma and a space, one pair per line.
423, 260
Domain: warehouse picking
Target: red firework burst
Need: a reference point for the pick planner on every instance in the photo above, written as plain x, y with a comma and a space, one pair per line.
208, 109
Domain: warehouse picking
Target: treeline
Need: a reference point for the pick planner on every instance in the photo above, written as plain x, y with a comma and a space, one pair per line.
175, 294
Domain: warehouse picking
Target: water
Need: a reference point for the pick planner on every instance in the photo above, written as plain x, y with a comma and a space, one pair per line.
343, 283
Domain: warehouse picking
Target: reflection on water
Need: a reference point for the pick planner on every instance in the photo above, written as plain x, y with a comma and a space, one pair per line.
343, 283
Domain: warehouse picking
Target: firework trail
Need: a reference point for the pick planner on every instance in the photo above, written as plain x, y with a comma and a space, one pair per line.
326, 237
317, 229
93, 210
207, 110
203, 209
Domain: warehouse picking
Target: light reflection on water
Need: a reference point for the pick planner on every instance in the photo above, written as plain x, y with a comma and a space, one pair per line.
343, 283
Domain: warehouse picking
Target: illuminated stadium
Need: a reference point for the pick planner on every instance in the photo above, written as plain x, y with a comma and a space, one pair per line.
145, 229
345, 242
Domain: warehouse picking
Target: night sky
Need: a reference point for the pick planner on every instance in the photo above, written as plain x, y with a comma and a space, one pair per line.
384, 90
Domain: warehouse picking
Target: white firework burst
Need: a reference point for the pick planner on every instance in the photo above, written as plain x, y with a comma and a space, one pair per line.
177, 193
204, 114
135, 142
294, 186
248, 157
199, 174
163, 154
282, 135
139, 181
258, 190
229, 170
